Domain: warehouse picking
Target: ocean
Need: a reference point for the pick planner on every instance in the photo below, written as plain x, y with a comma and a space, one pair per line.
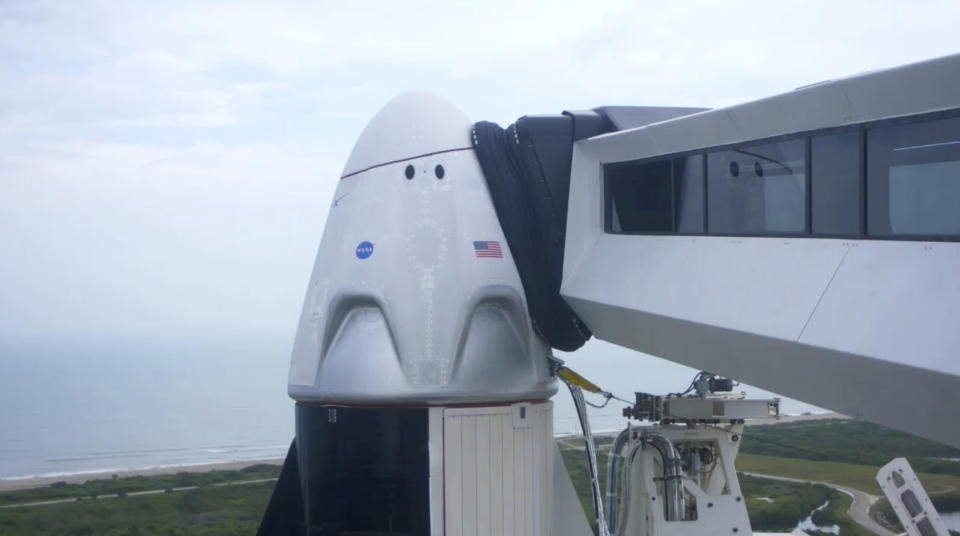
73, 407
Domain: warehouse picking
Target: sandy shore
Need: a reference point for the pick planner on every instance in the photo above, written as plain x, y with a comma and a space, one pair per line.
36, 482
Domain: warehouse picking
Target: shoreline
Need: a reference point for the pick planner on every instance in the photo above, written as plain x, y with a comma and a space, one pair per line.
38, 481
29, 482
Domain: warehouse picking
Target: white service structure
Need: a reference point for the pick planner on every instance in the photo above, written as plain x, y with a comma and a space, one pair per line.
866, 324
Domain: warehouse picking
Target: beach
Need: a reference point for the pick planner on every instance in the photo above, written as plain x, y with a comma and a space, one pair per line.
41, 481
17, 483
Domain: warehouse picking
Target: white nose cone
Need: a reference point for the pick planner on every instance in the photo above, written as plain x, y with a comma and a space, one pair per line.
414, 296
411, 125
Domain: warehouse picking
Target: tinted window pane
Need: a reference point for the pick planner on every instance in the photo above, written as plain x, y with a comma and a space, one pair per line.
688, 192
364, 470
641, 197
757, 189
835, 184
913, 174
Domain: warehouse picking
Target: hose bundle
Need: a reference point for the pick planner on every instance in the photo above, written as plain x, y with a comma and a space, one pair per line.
532, 211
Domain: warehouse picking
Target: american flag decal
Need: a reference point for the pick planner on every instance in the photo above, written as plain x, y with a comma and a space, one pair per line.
487, 249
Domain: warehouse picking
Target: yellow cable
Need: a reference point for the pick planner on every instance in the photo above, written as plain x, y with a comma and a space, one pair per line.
578, 380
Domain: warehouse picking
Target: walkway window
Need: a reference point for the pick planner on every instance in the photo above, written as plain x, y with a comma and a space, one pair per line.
758, 189
835, 207
688, 191
641, 196
660, 196
913, 179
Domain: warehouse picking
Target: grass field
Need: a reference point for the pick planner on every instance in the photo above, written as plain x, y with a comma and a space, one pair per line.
944, 489
206, 511
133, 484
862, 477
849, 441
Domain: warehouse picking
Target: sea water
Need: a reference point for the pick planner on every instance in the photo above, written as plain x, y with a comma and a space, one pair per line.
807, 525
69, 407
951, 520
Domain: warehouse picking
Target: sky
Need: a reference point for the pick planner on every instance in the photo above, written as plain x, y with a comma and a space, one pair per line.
166, 167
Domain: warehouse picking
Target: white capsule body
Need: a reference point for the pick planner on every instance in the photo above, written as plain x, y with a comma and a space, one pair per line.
414, 297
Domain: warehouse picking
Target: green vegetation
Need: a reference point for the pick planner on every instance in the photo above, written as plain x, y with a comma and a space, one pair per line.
862, 477
575, 459
883, 513
849, 453
777, 506
127, 485
849, 441
205, 511
836, 514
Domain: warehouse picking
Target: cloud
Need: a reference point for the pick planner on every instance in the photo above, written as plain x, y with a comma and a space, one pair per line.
175, 64
166, 167
123, 239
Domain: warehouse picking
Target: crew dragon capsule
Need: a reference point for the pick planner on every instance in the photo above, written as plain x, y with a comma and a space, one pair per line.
418, 376
421, 366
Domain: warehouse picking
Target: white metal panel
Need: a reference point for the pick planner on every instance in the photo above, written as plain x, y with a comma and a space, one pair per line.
889, 300
529, 501
435, 454
452, 479
773, 283
501, 474
496, 474
883, 392
468, 475
507, 477
710, 408
545, 453
484, 488
897, 301
900, 485
521, 499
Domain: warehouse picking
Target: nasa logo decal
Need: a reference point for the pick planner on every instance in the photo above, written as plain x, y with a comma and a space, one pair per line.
364, 249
